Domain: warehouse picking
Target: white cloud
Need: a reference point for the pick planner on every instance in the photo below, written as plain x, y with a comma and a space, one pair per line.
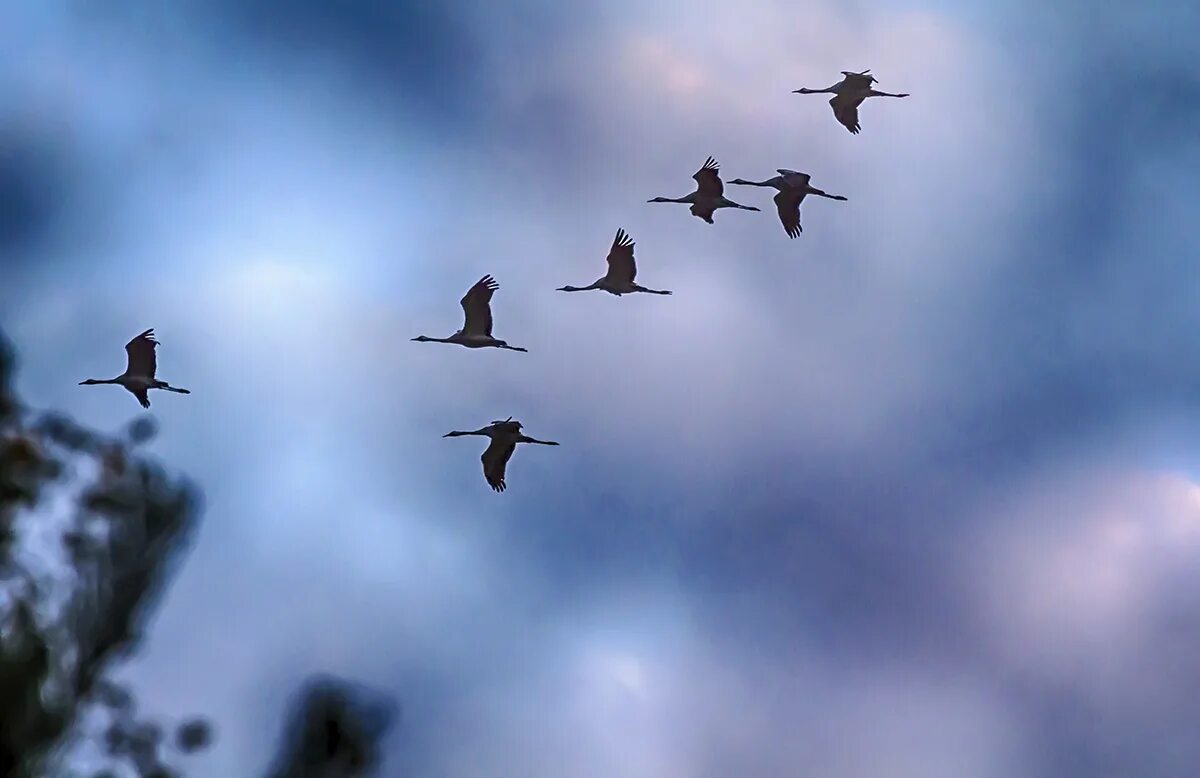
1081, 580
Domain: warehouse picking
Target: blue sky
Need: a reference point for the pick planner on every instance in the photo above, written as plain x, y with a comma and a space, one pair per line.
912, 495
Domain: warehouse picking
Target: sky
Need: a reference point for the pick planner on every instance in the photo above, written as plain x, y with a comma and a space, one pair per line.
915, 495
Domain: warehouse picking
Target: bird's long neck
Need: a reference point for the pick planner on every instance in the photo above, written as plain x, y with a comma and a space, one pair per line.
442, 340
459, 433
685, 199
771, 182
827, 90
579, 288
97, 381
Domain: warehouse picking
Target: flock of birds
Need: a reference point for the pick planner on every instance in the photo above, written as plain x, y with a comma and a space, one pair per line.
792, 187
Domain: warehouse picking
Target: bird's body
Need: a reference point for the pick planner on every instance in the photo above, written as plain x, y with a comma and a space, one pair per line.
848, 95
622, 270
709, 195
504, 435
793, 187
140, 370
477, 319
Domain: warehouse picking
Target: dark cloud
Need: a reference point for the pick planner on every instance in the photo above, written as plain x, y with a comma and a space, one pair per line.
34, 190
426, 54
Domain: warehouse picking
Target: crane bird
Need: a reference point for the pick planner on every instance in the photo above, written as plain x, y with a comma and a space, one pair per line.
505, 436
622, 269
140, 368
793, 188
709, 194
848, 94
476, 331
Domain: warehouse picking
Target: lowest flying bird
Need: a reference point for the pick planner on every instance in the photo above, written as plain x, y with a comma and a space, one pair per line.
793, 188
848, 95
140, 367
709, 194
505, 436
622, 270
476, 331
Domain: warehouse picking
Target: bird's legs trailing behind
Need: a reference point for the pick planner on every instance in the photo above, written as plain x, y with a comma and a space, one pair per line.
814, 191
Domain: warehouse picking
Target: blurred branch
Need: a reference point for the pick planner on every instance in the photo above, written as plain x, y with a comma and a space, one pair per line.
335, 730
62, 630
64, 626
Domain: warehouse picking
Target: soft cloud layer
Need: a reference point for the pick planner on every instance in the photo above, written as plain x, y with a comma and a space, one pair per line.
881, 499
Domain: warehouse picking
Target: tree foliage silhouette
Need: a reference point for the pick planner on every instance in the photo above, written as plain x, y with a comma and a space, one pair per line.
73, 607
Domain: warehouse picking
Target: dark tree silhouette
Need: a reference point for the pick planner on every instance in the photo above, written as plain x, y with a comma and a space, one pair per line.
334, 731
73, 608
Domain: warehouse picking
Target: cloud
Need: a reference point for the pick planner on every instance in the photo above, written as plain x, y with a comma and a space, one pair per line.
1086, 586
770, 536
1084, 567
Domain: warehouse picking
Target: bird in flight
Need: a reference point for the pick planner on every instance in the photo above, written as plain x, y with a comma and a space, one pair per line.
477, 319
622, 270
709, 194
848, 94
505, 436
793, 188
140, 368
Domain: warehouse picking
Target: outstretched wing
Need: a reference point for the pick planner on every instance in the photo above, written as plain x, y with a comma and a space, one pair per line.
705, 211
708, 179
508, 427
477, 308
858, 80
141, 394
621, 265
794, 178
495, 458
142, 361
845, 110
788, 204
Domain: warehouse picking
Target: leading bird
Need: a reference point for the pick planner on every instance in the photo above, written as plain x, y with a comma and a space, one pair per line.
505, 436
476, 331
622, 269
140, 368
793, 188
709, 194
848, 95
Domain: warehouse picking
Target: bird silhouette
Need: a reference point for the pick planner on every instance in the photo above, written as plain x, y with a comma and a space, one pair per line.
140, 369
505, 435
793, 188
477, 319
622, 270
848, 95
709, 194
